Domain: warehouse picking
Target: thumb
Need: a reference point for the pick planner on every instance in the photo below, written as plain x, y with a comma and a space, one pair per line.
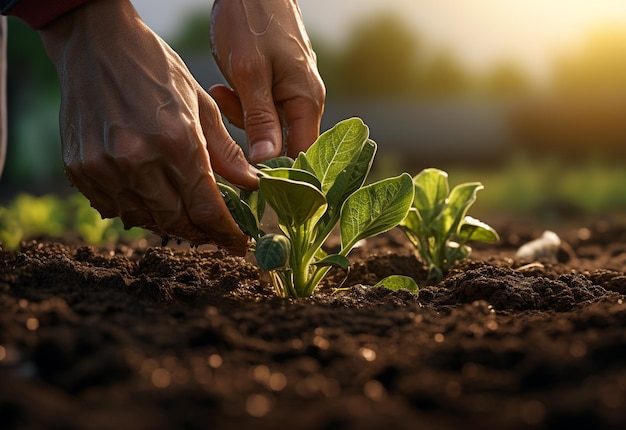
262, 125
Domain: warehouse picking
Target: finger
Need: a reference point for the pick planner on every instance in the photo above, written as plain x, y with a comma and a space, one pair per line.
149, 200
130, 183
127, 205
138, 217
261, 120
301, 119
99, 200
173, 205
98, 197
143, 194
229, 104
132, 213
190, 176
227, 157
206, 208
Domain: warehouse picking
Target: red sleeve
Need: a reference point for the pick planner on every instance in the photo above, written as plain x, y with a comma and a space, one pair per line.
37, 13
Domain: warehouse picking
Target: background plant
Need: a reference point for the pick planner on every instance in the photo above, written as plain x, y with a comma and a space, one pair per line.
28, 216
438, 225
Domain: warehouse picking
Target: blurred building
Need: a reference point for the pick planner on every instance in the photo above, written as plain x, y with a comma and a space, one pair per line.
419, 132
425, 133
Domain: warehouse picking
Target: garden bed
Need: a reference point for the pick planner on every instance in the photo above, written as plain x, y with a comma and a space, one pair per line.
146, 337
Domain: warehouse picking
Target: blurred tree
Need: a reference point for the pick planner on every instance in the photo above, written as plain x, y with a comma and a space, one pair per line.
327, 62
444, 75
380, 60
599, 67
505, 79
33, 97
194, 35
585, 114
27, 59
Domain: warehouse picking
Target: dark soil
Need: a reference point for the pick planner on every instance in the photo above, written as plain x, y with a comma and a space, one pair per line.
149, 337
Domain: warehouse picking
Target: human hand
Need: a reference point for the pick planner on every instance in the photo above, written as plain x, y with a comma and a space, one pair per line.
265, 54
140, 137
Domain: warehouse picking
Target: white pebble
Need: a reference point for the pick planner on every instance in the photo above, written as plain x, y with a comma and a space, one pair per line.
547, 246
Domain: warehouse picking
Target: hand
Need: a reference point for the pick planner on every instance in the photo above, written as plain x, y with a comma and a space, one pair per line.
140, 136
264, 52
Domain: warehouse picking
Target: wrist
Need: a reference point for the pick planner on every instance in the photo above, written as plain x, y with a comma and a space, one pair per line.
90, 23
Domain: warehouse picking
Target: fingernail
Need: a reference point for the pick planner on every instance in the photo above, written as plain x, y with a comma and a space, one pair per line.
261, 151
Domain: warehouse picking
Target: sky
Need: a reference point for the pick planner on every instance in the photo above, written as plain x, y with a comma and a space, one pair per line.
481, 32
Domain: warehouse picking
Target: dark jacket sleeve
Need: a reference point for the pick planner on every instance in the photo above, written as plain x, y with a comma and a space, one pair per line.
38, 13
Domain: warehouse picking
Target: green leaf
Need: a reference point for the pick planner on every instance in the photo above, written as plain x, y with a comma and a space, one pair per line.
293, 174
274, 163
431, 192
415, 231
240, 211
302, 163
335, 149
398, 282
413, 222
334, 260
294, 202
352, 177
255, 202
374, 209
473, 229
459, 201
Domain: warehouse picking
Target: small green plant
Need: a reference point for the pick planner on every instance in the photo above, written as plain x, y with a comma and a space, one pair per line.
398, 282
322, 188
438, 225
28, 217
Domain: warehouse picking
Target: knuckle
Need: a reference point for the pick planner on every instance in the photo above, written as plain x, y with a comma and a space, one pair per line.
176, 129
318, 92
247, 67
316, 96
259, 117
233, 154
127, 152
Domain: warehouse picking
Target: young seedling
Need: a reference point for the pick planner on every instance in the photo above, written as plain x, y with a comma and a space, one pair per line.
398, 282
437, 224
324, 187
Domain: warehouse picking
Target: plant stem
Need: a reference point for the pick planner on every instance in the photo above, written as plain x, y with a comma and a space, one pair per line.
299, 264
315, 279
